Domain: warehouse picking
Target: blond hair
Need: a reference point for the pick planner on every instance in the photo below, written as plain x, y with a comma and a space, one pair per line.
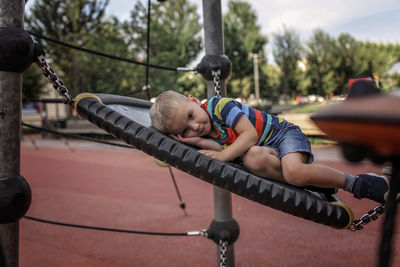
162, 112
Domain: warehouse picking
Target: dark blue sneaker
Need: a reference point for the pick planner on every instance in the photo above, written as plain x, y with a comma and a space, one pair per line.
371, 186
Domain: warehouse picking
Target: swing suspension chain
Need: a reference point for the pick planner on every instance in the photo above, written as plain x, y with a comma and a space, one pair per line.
217, 86
224, 248
53, 78
372, 215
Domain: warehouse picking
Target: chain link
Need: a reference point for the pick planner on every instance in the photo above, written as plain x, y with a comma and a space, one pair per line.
224, 249
53, 78
372, 215
217, 86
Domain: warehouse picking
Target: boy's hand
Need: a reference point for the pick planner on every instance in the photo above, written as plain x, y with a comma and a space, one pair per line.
198, 141
187, 140
213, 154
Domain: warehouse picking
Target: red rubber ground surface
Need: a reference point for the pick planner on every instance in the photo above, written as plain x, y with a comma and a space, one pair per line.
125, 189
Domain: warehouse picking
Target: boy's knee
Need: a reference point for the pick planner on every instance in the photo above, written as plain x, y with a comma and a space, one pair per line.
260, 151
257, 158
293, 174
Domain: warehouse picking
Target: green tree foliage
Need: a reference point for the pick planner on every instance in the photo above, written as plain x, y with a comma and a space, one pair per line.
70, 21
303, 81
107, 75
241, 87
272, 75
352, 58
241, 36
287, 51
33, 83
319, 64
332, 62
175, 39
345, 49
374, 60
190, 83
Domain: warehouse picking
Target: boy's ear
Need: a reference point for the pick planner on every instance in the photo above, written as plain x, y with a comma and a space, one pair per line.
193, 99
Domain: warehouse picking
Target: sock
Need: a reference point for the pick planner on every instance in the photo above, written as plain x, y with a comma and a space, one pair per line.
349, 182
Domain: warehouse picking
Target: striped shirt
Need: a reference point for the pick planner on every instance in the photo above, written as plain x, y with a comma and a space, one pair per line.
225, 112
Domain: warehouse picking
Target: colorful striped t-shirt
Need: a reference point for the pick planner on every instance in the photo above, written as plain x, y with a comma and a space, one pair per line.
225, 112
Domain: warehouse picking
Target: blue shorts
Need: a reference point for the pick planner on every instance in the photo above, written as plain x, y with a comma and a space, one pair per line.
292, 139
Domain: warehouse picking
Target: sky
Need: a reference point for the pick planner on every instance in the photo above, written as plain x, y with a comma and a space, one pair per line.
365, 20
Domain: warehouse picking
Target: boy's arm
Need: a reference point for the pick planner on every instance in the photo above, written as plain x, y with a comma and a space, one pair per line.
247, 137
200, 142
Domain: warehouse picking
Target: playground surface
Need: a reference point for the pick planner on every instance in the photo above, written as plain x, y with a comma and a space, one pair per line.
106, 186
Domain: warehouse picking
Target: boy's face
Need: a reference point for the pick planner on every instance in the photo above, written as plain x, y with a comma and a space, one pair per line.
191, 120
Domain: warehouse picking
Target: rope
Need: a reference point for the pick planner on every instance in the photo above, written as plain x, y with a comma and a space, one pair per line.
148, 49
46, 100
100, 53
76, 136
103, 228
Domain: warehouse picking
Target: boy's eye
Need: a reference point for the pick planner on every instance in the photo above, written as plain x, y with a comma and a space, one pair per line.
190, 115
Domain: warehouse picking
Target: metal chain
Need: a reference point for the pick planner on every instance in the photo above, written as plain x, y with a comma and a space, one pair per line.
224, 248
372, 215
217, 87
53, 78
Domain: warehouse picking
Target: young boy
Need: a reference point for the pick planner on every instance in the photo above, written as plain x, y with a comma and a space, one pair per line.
270, 147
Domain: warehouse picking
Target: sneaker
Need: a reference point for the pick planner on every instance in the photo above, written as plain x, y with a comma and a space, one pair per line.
371, 186
387, 171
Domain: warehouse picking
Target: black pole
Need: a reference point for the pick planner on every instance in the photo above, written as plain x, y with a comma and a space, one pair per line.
181, 202
389, 223
11, 16
214, 45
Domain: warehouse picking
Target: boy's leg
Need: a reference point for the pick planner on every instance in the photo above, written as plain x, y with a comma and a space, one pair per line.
297, 172
263, 161
296, 156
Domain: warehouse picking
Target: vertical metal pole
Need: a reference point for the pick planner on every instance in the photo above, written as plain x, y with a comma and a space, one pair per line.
214, 45
11, 15
213, 36
389, 225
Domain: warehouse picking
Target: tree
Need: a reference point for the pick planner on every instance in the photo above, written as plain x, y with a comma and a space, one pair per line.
374, 60
287, 51
344, 54
241, 36
70, 21
33, 83
189, 83
107, 75
319, 63
272, 75
175, 39
241, 87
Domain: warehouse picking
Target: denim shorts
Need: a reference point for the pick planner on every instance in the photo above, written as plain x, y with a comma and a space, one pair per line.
292, 139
